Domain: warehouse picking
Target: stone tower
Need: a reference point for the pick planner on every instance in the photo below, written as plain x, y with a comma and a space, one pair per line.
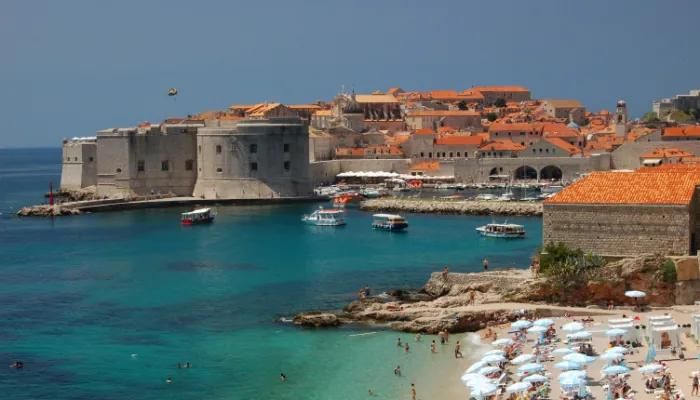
621, 119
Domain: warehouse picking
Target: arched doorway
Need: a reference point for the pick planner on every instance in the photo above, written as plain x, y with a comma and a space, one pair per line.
551, 172
525, 172
494, 171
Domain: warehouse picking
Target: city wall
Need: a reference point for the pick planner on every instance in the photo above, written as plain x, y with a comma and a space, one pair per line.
627, 155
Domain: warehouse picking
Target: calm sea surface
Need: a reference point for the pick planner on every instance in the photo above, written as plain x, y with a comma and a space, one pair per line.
104, 306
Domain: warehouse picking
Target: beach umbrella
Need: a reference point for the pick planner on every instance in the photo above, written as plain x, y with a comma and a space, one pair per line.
488, 370
579, 335
569, 381
616, 349
615, 332
483, 389
635, 293
576, 373
493, 358
531, 367
498, 352
616, 370
537, 329
567, 365
521, 324
536, 378
650, 368
476, 366
562, 351
523, 358
546, 322
518, 387
502, 342
469, 379
611, 356
578, 358
573, 327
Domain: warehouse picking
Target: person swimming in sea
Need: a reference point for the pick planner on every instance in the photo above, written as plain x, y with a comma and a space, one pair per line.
405, 347
398, 342
283, 377
397, 370
168, 380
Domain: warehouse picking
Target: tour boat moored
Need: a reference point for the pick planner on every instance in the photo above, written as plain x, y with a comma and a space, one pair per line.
323, 217
502, 230
389, 222
199, 216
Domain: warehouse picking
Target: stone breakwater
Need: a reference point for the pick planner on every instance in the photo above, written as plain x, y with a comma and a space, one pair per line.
47, 211
454, 207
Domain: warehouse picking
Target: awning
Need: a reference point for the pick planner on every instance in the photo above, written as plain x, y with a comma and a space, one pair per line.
651, 161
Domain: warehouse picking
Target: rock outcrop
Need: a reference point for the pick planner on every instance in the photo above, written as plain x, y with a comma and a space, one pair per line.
316, 319
454, 207
46, 211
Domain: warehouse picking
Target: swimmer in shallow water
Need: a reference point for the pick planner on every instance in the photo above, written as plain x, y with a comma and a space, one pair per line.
283, 377
168, 380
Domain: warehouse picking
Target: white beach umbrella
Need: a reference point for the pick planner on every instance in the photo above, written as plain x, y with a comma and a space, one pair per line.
635, 293
502, 342
537, 329
562, 351
518, 387
617, 349
615, 332
571, 381
521, 324
578, 373
616, 370
578, 358
579, 335
482, 390
611, 356
546, 322
498, 352
536, 378
567, 365
469, 379
476, 366
488, 370
523, 358
493, 358
531, 367
650, 368
572, 327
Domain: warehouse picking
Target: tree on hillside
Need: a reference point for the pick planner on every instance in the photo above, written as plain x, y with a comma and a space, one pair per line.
500, 102
462, 105
695, 113
650, 117
681, 117
491, 116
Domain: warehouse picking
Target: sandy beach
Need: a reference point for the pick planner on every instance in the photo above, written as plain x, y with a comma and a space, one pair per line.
440, 379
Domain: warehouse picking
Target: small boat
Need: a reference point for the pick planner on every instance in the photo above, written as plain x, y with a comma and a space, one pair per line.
486, 197
343, 199
506, 196
389, 222
199, 216
551, 189
323, 217
502, 230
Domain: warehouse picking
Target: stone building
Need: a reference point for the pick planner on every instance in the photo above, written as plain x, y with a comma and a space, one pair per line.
681, 102
79, 167
565, 109
507, 93
627, 213
433, 119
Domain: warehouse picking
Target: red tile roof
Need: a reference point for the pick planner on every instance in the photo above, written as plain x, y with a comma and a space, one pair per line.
502, 145
664, 152
517, 127
424, 131
682, 131
443, 113
564, 145
639, 187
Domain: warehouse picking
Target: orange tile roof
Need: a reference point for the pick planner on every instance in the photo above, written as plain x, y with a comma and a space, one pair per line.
562, 144
443, 113
555, 129
502, 145
501, 88
241, 106
461, 140
424, 131
664, 152
304, 106
682, 131
446, 129
425, 166
323, 113
516, 127
564, 103
639, 187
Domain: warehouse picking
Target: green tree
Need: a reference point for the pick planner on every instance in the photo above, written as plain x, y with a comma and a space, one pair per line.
668, 272
681, 117
462, 105
695, 113
650, 117
500, 102
491, 116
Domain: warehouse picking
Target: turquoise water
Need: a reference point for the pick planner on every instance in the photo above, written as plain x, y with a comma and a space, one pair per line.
105, 305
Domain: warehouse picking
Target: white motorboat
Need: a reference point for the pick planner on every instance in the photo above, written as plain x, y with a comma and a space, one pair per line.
486, 197
199, 216
323, 217
505, 230
389, 222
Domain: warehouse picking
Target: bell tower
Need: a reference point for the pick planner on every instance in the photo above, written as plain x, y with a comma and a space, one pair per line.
621, 119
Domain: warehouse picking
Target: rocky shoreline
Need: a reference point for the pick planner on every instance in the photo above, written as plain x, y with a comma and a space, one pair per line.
46, 210
499, 297
466, 207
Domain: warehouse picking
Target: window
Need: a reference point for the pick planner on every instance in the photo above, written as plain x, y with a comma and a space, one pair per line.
219, 170
253, 148
253, 166
458, 154
75, 158
188, 165
218, 149
287, 165
164, 165
430, 154
140, 166
546, 150
199, 149
534, 150
422, 154
286, 147
522, 143
119, 170
91, 159
450, 154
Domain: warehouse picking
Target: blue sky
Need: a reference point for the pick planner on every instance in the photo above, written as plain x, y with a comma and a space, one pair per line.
69, 68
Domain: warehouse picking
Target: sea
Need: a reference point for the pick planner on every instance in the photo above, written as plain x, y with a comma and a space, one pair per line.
105, 305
